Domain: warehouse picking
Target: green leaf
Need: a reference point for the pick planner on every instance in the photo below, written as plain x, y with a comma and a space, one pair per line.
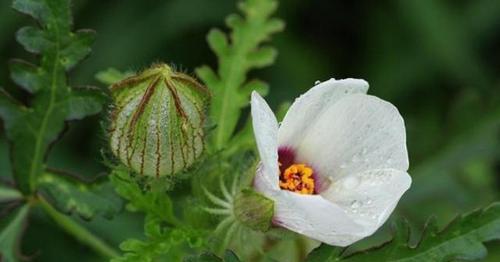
10, 109
26, 75
167, 237
9, 194
229, 256
162, 242
32, 130
85, 101
237, 55
205, 257
81, 233
154, 203
462, 239
71, 195
11, 229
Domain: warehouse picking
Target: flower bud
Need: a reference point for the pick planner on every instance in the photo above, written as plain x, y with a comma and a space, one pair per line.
253, 210
157, 121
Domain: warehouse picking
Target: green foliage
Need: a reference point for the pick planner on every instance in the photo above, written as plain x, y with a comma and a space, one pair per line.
166, 235
86, 199
462, 239
155, 202
236, 57
11, 229
32, 129
112, 75
82, 234
229, 256
9, 194
167, 243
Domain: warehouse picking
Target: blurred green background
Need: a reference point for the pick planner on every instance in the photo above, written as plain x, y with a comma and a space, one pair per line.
437, 61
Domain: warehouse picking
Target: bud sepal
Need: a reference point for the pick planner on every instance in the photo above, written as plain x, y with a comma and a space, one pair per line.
253, 210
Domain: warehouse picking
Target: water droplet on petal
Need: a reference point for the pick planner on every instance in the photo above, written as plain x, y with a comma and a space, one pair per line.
317, 82
355, 204
369, 201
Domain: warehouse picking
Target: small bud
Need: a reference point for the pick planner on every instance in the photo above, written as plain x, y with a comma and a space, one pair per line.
253, 210
157, 121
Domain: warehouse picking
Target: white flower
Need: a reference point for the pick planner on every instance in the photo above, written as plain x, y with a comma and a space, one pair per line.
336, 166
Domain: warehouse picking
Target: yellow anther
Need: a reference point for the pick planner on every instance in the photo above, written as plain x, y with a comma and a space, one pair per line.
298, 178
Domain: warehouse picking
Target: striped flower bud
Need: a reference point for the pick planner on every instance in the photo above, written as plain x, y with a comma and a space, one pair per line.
157, 121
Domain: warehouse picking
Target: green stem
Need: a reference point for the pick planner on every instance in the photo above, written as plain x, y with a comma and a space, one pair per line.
78, 231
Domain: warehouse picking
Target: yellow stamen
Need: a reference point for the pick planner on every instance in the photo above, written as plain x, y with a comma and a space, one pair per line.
298, 178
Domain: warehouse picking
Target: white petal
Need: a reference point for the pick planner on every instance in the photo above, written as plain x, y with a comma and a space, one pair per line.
310, 106
369, 197
265, 128
356, 134
316, 217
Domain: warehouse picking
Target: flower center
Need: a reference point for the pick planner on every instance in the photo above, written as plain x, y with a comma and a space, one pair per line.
298, 178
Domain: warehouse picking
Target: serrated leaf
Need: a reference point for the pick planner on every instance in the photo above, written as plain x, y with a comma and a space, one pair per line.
229, 256
32, 130
166, 236
33, 39
262, 57
85, 101
161, 245
77, 48
236, 58
254, 85
462, 240
9, 194
11, 229
10, 109
217, 41
153, 203
26, 75
87, 200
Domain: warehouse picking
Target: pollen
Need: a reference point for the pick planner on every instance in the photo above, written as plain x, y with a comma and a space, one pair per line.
298, 178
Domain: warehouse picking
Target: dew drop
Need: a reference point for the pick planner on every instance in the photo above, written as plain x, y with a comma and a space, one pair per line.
369, 201
317, 82
355, 204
